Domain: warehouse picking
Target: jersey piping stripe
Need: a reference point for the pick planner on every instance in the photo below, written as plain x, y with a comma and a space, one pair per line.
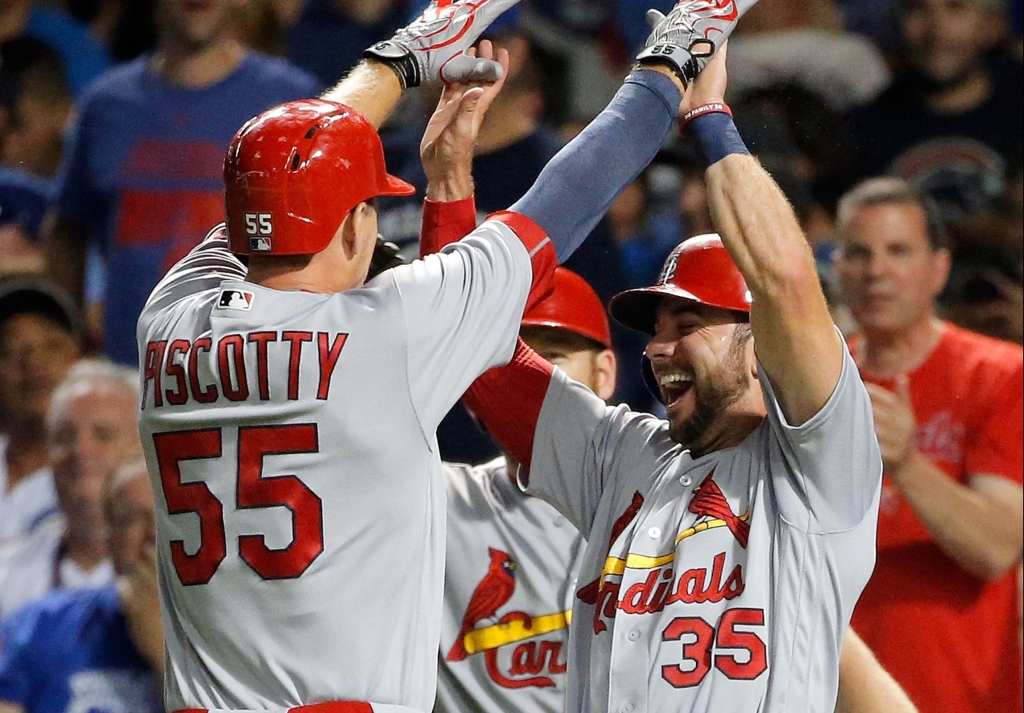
617, 565
492, 637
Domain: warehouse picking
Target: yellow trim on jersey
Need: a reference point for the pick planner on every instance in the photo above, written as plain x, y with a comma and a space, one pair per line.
617, 565
706, 525
491, 637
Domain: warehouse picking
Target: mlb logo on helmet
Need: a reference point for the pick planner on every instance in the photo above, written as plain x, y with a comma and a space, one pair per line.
260, 229
235, 299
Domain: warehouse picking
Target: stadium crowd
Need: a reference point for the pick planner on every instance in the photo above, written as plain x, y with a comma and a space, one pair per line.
894, 128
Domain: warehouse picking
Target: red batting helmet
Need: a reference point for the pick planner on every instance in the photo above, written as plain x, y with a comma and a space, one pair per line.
699, 270
294, 172
571, 305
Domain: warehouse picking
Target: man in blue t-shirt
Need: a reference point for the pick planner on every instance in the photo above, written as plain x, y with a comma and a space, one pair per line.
94, 650
141, 178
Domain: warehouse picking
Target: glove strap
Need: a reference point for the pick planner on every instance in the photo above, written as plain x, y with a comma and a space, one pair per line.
681, 62
400, 59
684, 62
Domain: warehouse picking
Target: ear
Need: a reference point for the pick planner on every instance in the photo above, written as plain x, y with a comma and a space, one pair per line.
605, 369
942, 261
752, 361
359, 230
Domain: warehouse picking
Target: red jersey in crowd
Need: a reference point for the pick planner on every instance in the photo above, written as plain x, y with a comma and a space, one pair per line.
947, 636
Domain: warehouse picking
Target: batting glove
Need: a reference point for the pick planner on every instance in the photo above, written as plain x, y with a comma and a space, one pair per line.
433, 48
686, 38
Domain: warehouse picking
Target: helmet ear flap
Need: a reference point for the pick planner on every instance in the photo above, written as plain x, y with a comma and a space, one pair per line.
648, 375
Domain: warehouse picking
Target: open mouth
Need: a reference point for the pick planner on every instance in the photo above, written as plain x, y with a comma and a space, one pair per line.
674, 387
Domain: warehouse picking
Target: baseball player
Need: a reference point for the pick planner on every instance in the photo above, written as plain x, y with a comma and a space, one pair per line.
728, 544
512, 560
300, 540
510, 554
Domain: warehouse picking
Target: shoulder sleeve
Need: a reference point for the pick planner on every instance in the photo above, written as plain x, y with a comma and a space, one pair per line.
832, 466
997, 444
583, 447
15, 648
445, 222
205, 267
463, 307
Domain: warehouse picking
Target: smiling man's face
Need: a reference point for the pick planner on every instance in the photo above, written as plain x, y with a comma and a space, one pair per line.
702, 358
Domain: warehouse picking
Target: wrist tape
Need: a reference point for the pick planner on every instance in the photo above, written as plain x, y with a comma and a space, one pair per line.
712, 126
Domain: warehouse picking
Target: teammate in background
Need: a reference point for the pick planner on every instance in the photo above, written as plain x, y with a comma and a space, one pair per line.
253, 506
95, 649
948, 414
728, 545
512, 559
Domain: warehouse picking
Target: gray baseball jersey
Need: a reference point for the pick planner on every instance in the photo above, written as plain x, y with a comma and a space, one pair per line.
509, 581
299, 501
721, 583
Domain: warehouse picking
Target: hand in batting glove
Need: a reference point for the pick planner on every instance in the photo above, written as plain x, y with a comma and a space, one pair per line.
686, 38
433, 48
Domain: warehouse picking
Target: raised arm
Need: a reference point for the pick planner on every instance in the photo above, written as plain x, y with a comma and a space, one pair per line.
431, 49
796, 341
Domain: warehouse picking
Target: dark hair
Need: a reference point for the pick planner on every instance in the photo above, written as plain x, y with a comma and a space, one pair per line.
887, 190
29, 65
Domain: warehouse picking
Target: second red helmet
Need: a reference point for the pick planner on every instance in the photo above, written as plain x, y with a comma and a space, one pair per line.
571, 305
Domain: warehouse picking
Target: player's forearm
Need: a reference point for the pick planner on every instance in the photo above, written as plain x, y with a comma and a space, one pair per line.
64, 243
982, 534
446, 222
457, 185
793, 330
579, 184
371, 88
864, 686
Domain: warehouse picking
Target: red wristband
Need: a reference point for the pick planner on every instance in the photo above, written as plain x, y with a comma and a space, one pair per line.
710, 108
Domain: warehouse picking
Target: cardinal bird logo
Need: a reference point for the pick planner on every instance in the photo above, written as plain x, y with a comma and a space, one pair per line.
494, 590
709, 501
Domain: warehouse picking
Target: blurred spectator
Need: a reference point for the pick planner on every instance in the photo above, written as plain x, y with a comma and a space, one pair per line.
127, 28
40, 339
95, 649
35, 102
803, 43
83, 56
141, 178
330, 35
263, 27
91, 430
951, 123
23, 201
985, 292
34, 105
645, 235
940, 608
